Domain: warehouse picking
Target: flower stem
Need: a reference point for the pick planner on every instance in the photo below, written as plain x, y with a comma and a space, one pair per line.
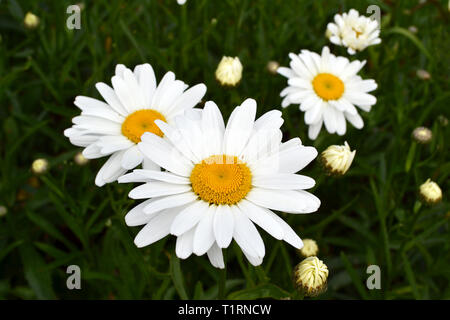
222, 281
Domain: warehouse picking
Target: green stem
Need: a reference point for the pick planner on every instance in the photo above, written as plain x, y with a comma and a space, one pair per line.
222, 281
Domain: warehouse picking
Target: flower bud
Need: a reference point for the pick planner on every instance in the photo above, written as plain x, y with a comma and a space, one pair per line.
272, 67
229, 71
423, 74
422, 135
80, 159
337, 159
310, 248
31, 21
430, 192
39, 166
310, 276
3, 211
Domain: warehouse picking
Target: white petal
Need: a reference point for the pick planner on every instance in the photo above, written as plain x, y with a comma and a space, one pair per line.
256, 261
215, 257
329, 119
111, 98
167, 80
132, 158
355, 120
204, 232
111, 170
94, 107
148, 164
360, 98
189, 217
314, 129
156, 229
284, 200
246, 235
162, 176
157, 189
286, 72
341, 126
183, 247
170, 202
283, 181
293, 156
136, 216
288, 234
165, 155
97, 125
239, 128
110, 144
147, 83
313, 115
213, 129
189, 99
124, 94
223, 226
262, 218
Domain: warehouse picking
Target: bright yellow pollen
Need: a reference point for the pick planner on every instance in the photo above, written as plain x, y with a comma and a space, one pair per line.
221, 179
328, 86
141, 121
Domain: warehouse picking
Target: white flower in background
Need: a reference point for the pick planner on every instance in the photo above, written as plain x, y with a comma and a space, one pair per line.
337, 159
181, 2
229, 71
114, 128
219, 181
328, 89
353, 31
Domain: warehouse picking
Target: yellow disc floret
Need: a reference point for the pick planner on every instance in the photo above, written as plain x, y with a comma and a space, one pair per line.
141, 121
328, 86
221, 179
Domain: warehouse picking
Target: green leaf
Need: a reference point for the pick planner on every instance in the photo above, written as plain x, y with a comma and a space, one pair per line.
35, 272
177, 277
267, 290
412, 37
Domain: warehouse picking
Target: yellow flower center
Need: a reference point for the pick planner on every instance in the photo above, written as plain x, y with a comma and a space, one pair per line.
221, 179
141, 121
328, 86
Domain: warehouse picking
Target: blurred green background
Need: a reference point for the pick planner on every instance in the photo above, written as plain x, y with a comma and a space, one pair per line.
370, 216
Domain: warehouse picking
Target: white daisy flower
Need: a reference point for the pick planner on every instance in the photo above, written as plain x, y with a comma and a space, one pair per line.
353, 31
113, 128
220, 181
181, 2
328, 89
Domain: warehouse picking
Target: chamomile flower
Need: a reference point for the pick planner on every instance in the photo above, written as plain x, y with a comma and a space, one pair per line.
219, 182
114, 128
327, 88
353, 31
181, 2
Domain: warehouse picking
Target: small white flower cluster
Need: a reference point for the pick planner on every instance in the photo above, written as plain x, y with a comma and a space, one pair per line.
353, 31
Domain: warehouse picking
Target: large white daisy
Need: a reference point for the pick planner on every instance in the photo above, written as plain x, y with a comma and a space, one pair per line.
327, 88
353, 31
113, 128
220, 181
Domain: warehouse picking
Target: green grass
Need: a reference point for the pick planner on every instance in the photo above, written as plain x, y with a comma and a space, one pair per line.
370, 216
